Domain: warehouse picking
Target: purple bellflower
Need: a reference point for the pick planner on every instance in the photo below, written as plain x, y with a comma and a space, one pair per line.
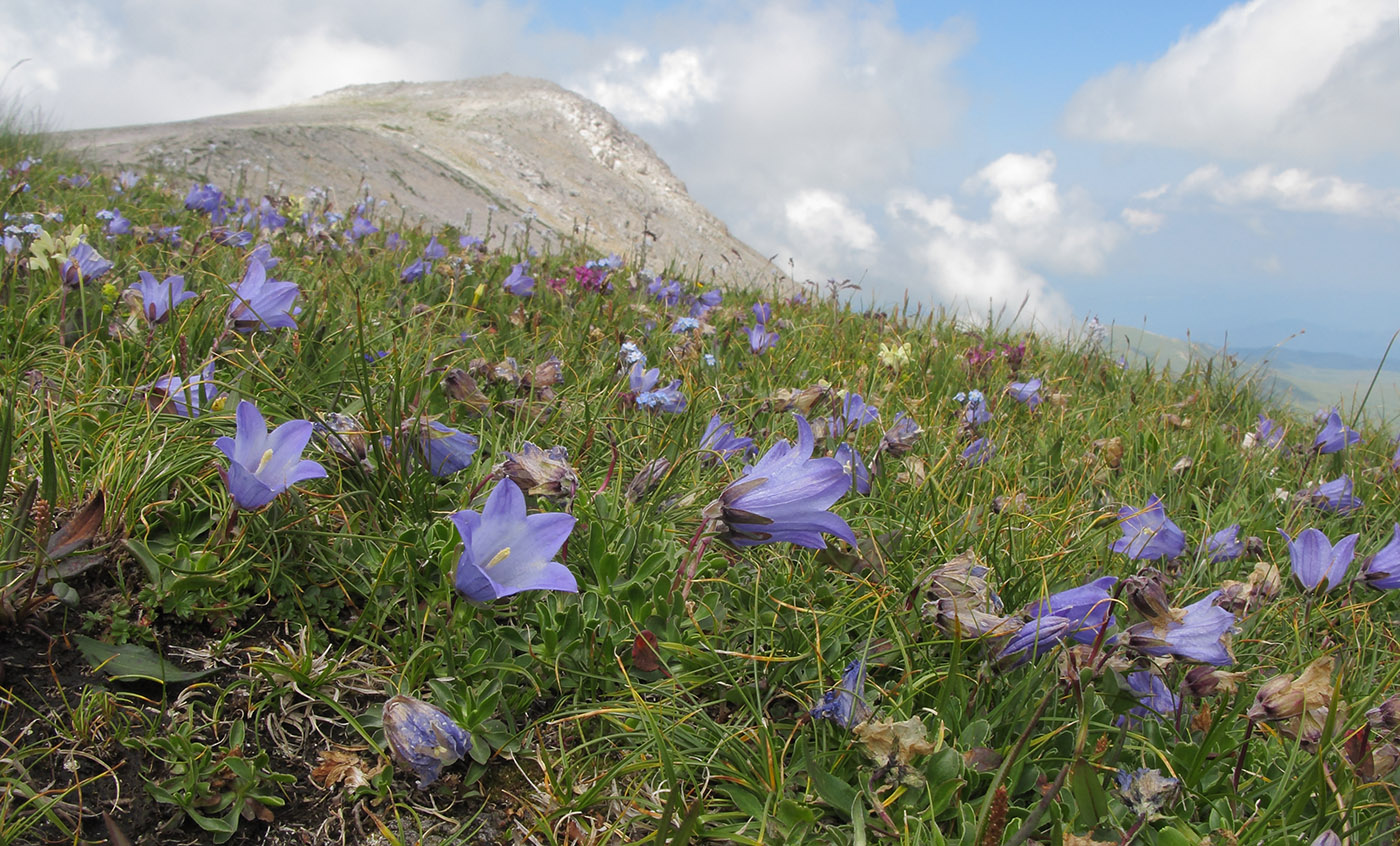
854, 414
159, 298
415, 271
1224, 545
719, 442
1086, 608
1147, 533
434, 250
1333, 496
1268, 434
260, 303
1202, 634
1318, 565
442, 449
784, 497
975, 413
1152, 695
640, 380
1025, 392
423, 737
83, 265
261, 466
979, 452
855, 468
117, 223
666, 291
762, 313
845, 704
1382, 570
205, 198
760, 339
668, 399
518, 283
185, 396
360, 227
1335, 435
505, 551
1035, 638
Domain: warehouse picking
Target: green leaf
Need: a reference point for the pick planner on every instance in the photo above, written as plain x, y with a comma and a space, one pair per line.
832, 790
133, 661
1089, 795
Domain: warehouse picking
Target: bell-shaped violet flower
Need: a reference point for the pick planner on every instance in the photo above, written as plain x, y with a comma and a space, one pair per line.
261, 466
1147, 533
1267, 434
1086, 607
762, 313
640, 380
505, 551
845, 704
158, 298
1201, 634
760, 338
1224, 545
423, 737
518, 283
784, 497
668, 399
979, 452
1333, 496
261, 303
1318, 565
1027, 393
442, 449
1035, 638
1153, 696
1335, 435
718, 442
975, 412
83, 265
855, 413
855, 468
184, 396
1382, 570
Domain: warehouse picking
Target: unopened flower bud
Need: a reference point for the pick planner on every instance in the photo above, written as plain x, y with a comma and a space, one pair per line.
1203, 681
647, 478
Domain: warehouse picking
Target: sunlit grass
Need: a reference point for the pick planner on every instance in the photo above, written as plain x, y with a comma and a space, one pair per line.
311, 612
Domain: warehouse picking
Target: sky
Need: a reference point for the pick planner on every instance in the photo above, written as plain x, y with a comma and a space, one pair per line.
1227, 170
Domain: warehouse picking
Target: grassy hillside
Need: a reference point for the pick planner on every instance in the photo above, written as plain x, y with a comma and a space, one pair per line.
488, 581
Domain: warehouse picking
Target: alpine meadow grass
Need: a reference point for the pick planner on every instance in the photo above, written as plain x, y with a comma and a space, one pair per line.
371, 534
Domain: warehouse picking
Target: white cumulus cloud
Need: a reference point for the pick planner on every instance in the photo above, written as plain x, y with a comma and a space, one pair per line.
639, 91
1291, 189
1031, 227
1314, 78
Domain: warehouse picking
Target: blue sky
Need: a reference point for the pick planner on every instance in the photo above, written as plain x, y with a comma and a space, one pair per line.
1192, 166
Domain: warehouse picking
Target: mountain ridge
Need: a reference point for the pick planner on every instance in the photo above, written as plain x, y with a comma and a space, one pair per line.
519, 152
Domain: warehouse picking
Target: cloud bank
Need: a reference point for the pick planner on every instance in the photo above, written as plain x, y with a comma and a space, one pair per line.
1312, 79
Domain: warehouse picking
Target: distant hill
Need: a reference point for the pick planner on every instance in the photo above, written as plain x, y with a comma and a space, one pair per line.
498, 148
1305, 380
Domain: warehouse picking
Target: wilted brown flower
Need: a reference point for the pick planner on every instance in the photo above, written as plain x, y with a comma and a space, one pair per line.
459, 385
541, 472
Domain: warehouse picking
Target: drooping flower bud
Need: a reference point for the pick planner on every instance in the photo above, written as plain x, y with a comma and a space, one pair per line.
423, 737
